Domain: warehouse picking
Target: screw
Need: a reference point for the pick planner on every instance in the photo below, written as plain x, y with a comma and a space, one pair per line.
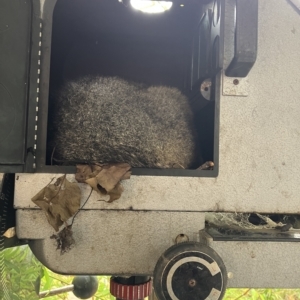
181, 238
192, 282
236, 82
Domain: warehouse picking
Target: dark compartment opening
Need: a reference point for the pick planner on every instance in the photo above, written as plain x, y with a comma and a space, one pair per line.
108, 38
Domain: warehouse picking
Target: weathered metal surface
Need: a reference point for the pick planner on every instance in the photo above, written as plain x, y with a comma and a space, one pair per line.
259, 172
109, 242
235, 86
260, 264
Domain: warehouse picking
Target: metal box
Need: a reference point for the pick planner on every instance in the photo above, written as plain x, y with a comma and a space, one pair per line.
255, 142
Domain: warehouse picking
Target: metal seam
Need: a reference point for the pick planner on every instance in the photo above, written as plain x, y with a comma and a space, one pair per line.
38, 95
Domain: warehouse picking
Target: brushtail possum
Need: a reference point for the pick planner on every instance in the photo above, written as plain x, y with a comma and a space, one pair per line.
108, 119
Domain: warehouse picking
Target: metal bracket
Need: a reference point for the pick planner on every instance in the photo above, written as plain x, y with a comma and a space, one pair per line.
205, 237
235, 86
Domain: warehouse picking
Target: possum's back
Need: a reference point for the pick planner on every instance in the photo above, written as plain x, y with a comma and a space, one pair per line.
107, 119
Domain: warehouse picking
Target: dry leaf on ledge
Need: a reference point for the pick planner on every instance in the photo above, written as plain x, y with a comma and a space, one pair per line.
10, 232
83, 172
60, 201
116, 192
104, 179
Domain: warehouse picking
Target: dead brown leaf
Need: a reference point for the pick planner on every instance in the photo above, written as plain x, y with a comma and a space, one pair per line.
82, 172
105, 179
94, 184
60, 201
110, 175
116, 192
10, 232
97, 167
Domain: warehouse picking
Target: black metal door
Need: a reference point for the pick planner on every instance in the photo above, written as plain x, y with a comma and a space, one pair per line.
15, 28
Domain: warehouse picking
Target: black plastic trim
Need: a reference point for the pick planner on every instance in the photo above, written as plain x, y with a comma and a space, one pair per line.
245, 50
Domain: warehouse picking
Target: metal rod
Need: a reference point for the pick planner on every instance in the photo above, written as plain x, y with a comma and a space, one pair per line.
57, 291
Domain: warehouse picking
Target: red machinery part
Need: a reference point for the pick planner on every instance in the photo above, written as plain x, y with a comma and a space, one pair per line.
130, 292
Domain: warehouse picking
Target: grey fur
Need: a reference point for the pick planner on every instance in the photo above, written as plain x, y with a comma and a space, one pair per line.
107, 119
